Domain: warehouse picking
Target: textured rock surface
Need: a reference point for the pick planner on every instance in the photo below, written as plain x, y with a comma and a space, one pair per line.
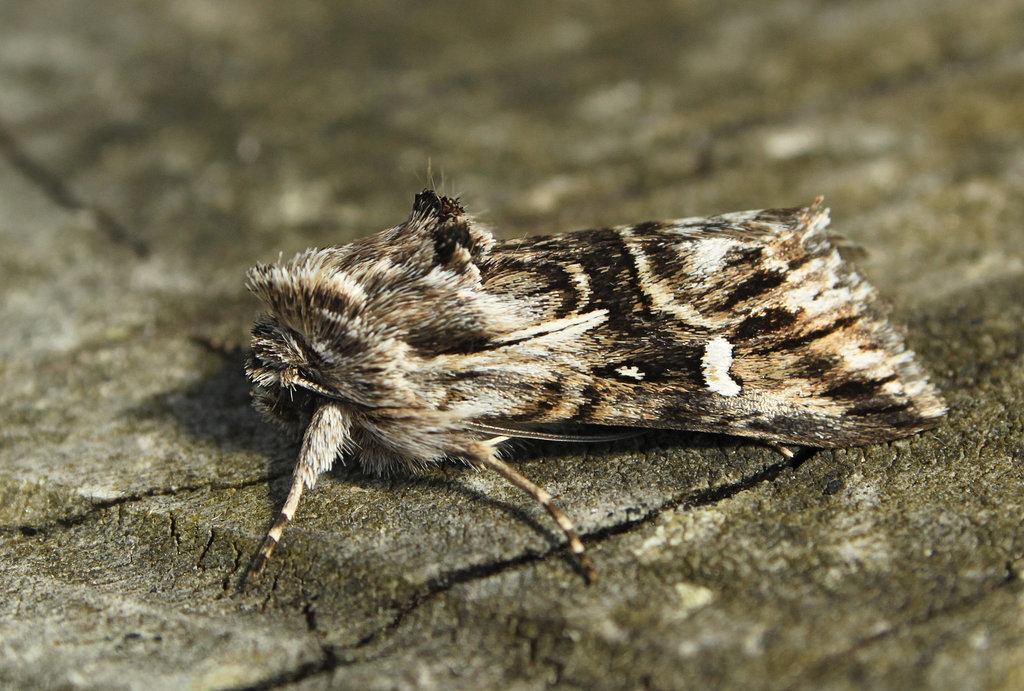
149, 153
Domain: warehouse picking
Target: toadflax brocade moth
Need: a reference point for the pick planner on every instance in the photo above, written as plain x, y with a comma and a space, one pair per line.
431, 340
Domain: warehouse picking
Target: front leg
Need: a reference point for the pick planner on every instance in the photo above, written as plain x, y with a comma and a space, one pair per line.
325, 438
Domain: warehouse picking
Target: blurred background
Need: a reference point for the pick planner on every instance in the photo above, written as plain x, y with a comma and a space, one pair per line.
150, 152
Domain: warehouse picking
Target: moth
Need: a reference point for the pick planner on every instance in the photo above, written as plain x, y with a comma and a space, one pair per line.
432, 340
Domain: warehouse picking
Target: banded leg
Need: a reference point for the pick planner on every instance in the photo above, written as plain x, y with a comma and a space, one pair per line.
291, 504
486, 458
325, 438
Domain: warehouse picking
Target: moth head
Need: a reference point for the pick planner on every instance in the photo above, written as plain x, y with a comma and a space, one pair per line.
282, 373
350, 323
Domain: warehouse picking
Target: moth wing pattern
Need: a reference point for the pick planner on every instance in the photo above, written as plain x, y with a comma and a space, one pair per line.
747, 323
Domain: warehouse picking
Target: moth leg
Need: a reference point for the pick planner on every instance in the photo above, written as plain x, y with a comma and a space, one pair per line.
486, 458
291, 504
788, 451
324, 439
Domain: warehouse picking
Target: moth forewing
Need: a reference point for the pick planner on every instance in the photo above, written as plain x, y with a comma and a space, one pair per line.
432, 341
748, 323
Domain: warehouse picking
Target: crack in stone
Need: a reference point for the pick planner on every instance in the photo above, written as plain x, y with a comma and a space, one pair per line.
206, 549
229, 578
61, 194
174, 533
29, 530
706, 497
335, 657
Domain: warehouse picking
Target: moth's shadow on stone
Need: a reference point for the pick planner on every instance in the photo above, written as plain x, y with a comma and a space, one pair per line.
522, 451
217, 409
453, 483
450, 476
638, 441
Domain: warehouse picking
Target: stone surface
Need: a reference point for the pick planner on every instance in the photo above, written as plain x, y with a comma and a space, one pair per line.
150, 153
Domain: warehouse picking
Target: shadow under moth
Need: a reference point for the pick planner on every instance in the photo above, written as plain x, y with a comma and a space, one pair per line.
432, 340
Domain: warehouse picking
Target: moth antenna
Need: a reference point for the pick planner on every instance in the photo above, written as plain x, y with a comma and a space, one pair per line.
324, 439
486, 458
